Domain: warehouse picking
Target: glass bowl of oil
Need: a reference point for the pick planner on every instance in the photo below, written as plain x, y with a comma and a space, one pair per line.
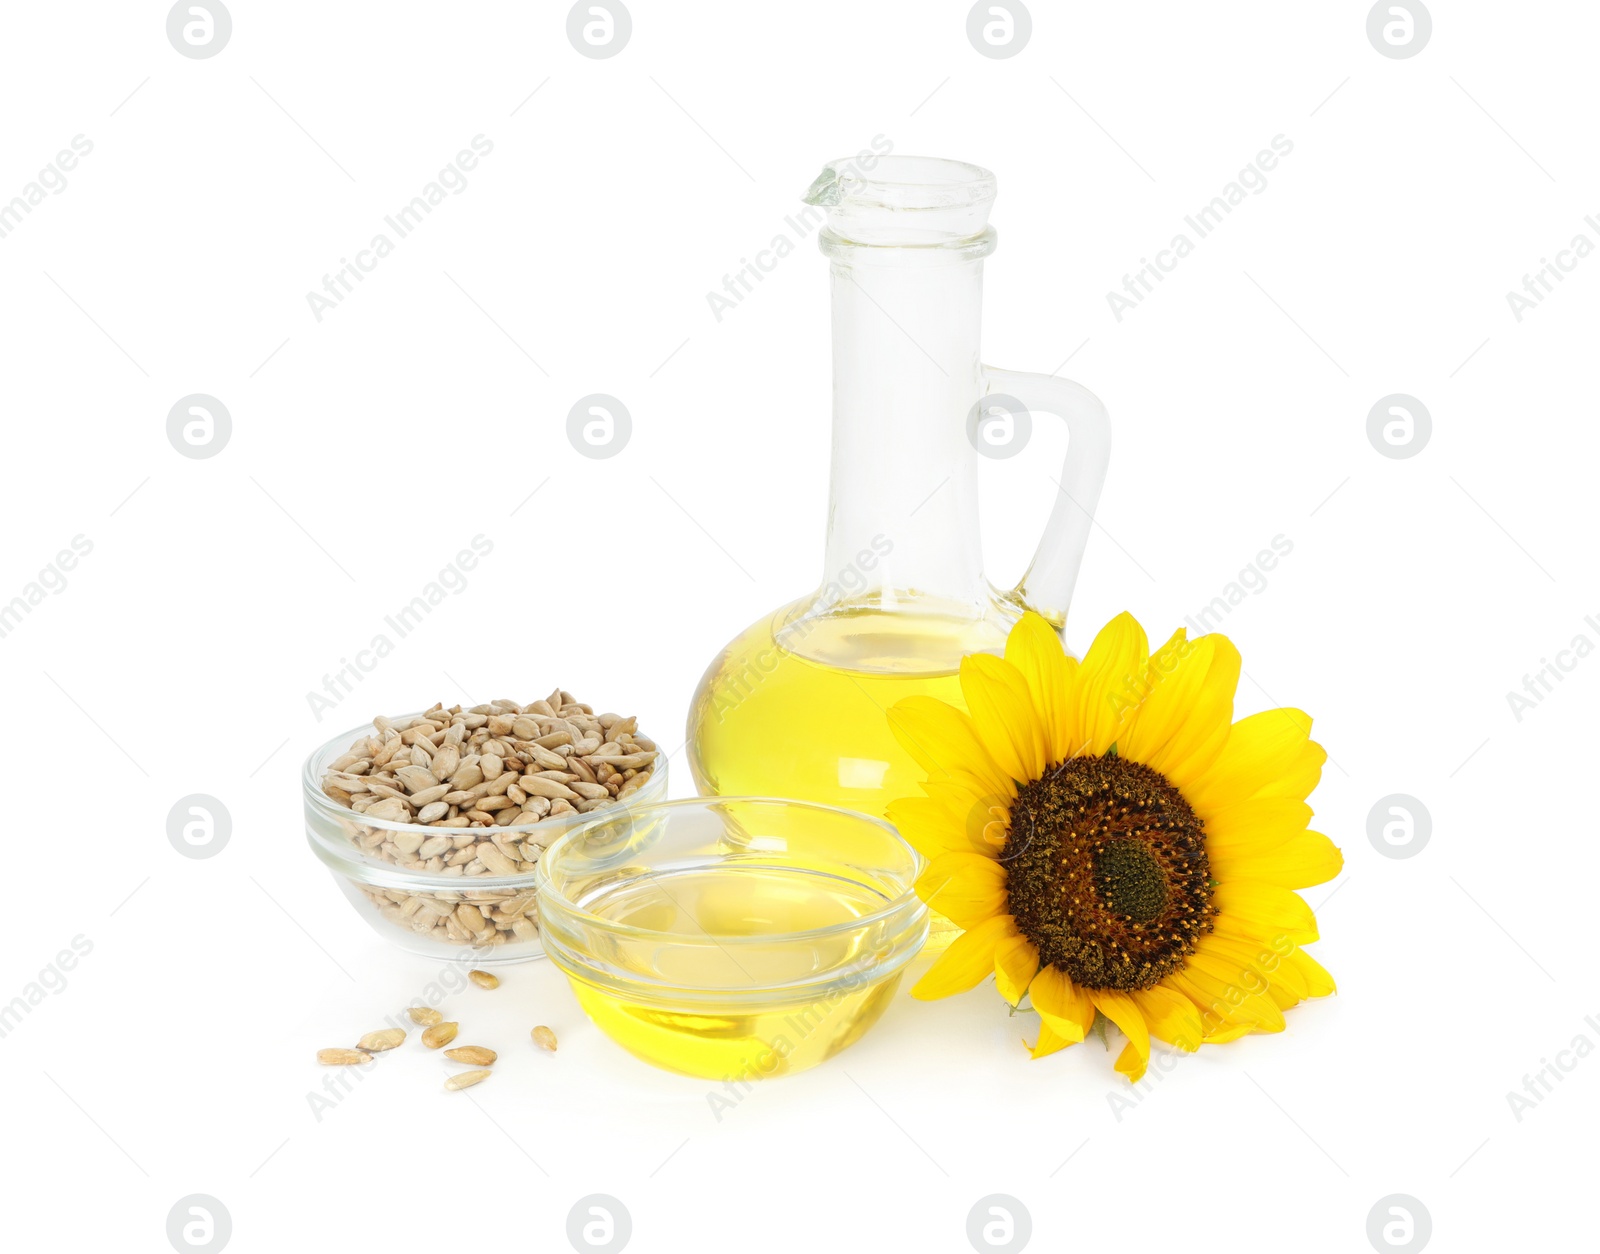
732, 937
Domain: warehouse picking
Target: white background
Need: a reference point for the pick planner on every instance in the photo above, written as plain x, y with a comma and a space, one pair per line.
369, 447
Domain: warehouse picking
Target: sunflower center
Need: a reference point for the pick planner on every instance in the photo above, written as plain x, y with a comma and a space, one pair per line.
1130, 881
1106, 872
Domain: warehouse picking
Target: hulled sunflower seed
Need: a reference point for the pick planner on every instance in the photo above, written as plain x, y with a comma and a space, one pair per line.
497, 864
342, 1057
447, 760
425, 1016
466, 1080
440, 1035
384, 1038
484, 979
544, 1038
534, 786
477, 1055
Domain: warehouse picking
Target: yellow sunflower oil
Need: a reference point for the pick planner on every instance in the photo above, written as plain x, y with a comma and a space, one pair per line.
800, 708
670, 1017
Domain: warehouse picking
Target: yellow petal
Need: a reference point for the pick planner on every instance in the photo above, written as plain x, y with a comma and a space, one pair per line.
1305, 859
928, 827
1064, 1007
1131, 1062
941, 740
1234, 992
1267, 753
1164, 662
1049, 1042
1184, 722
1034, 648
1002, 713
1318, 982
1265, 909
1257, 934
1256, 826
1161, 663
1269, 963
964, 887
1223, 1003
1016, 962
1172, 1017
1227, 1032
1110, 682
1124, 1012
969, 958
982, 820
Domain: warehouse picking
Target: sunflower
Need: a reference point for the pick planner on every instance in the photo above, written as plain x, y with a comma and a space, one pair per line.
1112, 843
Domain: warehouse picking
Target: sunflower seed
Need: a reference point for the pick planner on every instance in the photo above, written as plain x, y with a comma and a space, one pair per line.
440, 1034
623, 761
484, 979
448, 759
384, 1038
468, 775
538, 786
343, 1057
416, 778
408, 842
466, 1080
544, 1038
477, 1055
390, 810
495, 862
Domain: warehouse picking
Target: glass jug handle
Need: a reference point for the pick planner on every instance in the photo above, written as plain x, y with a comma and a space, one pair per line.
1047, 584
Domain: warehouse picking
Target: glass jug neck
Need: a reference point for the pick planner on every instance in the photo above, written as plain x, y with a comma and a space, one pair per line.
902, 521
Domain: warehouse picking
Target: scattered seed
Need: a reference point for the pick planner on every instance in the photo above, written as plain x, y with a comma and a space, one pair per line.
466, 1080
544, 1038
482, 978
477, 1055
440, 1034
386, 1038
343, 1057
425, 1016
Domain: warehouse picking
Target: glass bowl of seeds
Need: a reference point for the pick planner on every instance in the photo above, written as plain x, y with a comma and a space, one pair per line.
433, 823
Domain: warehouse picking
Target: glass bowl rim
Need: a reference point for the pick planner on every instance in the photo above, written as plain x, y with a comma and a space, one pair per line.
570, 911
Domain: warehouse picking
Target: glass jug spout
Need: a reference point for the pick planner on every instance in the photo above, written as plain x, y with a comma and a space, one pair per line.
903, 201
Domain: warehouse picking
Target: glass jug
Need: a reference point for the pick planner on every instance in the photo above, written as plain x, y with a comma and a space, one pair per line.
797, 705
